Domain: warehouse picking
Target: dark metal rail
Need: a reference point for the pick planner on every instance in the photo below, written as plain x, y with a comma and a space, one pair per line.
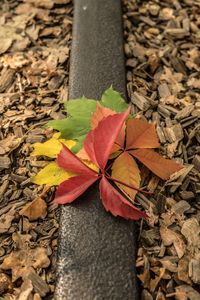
96, 253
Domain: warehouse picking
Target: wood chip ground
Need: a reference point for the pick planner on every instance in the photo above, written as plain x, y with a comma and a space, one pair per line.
34, 61
163, 66
163, 63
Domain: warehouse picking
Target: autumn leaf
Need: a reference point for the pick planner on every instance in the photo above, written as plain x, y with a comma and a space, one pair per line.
126, 170
99, 114
25, 260
80, 111
104, 135
114, 202
107, 130
113, 100
141, 134
51, 175
35, 209
159, 165
70, 189
52, 147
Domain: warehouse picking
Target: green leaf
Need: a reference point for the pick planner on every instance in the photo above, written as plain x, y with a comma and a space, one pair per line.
79, 144
77, 125
113, 100
71, 128
51, 175
80, 108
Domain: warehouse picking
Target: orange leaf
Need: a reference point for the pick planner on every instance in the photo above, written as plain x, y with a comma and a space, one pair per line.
100, 113
159, 165
141, 134
126, 170
82, 154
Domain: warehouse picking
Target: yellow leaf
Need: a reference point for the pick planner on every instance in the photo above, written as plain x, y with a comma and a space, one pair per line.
126, 170
51, 175
52, 147
91, 165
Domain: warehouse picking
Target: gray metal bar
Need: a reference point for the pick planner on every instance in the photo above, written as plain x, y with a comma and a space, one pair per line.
96, 253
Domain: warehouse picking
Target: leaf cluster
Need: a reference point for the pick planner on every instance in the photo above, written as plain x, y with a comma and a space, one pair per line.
111, 144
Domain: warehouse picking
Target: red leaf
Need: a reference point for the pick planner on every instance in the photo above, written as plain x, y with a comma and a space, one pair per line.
114, 202
99, 142
141, 134
89, 147
121, 137
69, 161
100, 113
105, 135
72, 188
159, 165
119, 142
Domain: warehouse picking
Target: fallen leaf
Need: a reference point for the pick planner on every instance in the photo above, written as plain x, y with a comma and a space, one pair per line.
115, 203
126, 170
100, 113
69, 190
52, 175
159, 165
35, 209
25, 260
113, 100
141, 134
52, 147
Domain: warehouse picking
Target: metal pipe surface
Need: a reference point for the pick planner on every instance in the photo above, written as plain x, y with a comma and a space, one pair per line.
96, 251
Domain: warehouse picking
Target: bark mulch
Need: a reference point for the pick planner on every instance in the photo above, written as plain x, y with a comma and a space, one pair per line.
162, 40
34, 61
163, 63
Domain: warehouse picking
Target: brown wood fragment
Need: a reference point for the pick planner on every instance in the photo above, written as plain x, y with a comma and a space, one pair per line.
185, 112
174, 133
163, 90
4, 162
196, 162
6, 79
38, 283
181, 207
140, 101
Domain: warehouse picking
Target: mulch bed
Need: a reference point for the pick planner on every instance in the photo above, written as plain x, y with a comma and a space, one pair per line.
34, 61
163, 64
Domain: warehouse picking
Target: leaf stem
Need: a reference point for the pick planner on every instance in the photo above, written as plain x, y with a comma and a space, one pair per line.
127, 185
